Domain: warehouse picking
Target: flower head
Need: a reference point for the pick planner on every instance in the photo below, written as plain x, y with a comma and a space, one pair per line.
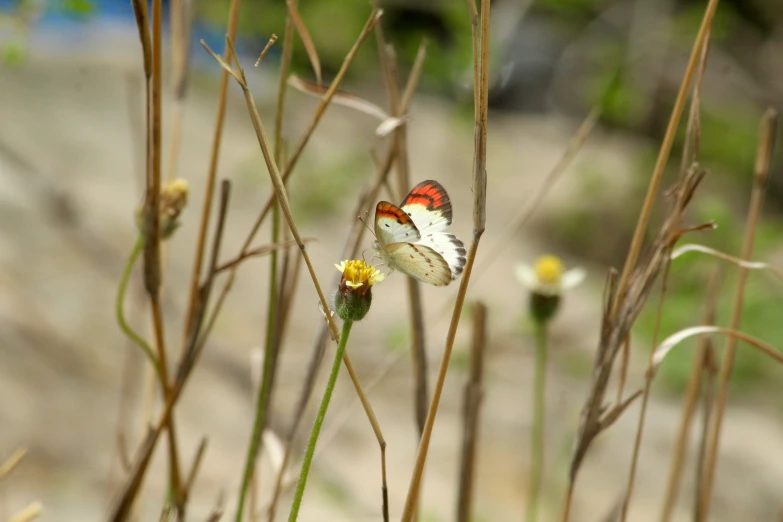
354, 295
547, 280
548, 276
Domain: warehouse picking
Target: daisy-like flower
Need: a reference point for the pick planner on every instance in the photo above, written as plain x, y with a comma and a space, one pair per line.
546, 281
173, 200
354, 295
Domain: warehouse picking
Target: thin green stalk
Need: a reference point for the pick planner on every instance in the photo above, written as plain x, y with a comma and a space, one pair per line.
258, 427
319, 420
120, 305
537, 435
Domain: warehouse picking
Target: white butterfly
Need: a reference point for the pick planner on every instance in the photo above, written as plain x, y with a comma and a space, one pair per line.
410, 237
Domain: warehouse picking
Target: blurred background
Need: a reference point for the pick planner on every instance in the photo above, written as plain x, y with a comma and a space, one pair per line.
71, 175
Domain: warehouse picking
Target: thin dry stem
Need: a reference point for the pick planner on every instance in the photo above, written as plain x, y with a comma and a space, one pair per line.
473, 394
690, 402
261, 251
708, 401
481, 85
304, 35
180, 15
594, 418
123, 505
376, 428
663, 155
389, 67
691, 149
12, 462
767, 131
217, 138
635, 281
31, 512
292, 161
277, 181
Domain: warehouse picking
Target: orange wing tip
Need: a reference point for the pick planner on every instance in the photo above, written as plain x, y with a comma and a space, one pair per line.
390, 211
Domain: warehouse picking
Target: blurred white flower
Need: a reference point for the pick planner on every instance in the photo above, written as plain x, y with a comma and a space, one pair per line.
548, 276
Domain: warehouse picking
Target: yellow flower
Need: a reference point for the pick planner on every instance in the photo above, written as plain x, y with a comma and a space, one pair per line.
358, 273
354, 296
548, 276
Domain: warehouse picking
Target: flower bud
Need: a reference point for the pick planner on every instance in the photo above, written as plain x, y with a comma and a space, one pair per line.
173, 200
354, 294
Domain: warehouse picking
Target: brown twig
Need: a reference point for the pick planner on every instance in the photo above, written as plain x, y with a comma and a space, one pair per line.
194, 469
473, 395
388, 61
350, 251
12, 462
152, 254
260, 251
631, 294
123, 504
690, 401
293, 160
282, 198
614, 332
691, 150
663, 154
180, 15
304, 35
481, 90
766, 144
233, 18
710, 371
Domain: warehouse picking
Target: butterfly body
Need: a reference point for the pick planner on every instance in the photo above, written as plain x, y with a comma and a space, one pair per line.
411, 238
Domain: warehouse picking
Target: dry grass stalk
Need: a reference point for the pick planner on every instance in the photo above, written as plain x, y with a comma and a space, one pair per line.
282, 197
31, 512
635, 281
290, 164
710, 373
663, 155
12, 462
206, 211
473, 395
181, 18
767, 131
690, 401
479, 185
152, 255
304, 35
388, 60
615, 330
350, 251
689, 157
124, 502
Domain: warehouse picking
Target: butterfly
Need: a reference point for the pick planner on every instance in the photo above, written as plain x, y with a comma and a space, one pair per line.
411, 238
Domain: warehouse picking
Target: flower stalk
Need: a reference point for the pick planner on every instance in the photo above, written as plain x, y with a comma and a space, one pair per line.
546, 281
319, 420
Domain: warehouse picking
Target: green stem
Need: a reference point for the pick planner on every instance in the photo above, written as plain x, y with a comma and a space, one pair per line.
537, 435
138, 247
319, 420
258, 425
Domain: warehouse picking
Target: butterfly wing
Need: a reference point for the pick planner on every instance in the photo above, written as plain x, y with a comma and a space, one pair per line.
393, 225
429, 206
419, 261
450, 248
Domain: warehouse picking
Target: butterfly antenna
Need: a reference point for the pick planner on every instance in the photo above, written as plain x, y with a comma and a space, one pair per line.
365, 223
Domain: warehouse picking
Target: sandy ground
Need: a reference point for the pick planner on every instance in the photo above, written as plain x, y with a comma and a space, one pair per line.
67, 150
